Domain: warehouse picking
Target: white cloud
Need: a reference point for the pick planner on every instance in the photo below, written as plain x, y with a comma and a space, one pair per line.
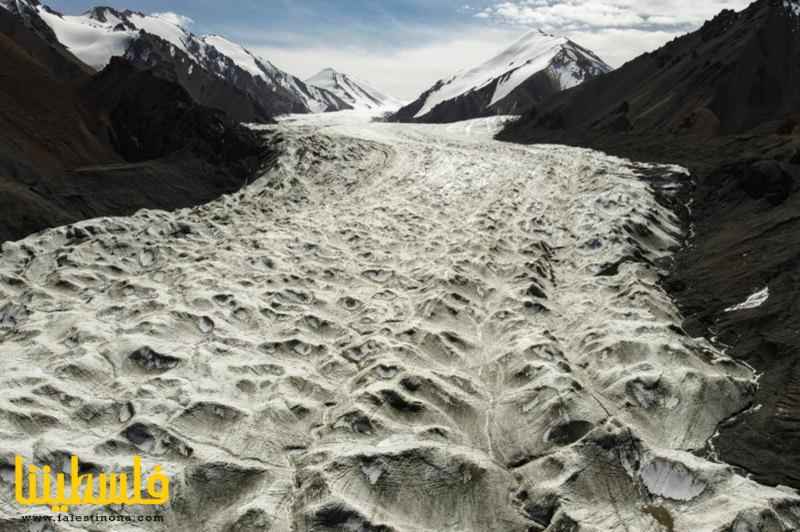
619, 45
175, 18
601, 14
617, 30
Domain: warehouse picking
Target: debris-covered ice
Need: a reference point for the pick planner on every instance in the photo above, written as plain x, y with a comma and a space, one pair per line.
397, 328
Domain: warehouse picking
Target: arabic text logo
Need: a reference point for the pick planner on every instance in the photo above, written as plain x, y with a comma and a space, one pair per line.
112, 488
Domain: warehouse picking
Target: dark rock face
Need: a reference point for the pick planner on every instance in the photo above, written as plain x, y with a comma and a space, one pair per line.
722, 102
476, 104
29, 33
747, 222
101, 13
74, 146
152, 118
44, 125
473, 104
165, 60
531, 92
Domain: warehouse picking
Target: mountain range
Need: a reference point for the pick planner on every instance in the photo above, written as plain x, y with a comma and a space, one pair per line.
535, 67
199, 63
215, 71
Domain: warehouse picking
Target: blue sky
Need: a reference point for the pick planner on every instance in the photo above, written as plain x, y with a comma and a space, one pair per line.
383, 23
404, 46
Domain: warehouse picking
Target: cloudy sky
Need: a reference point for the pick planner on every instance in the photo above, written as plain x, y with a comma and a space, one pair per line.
404, 46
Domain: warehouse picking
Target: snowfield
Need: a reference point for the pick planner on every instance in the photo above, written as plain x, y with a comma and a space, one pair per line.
398, 328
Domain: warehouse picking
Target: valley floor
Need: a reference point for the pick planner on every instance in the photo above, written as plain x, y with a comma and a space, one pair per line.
397, 328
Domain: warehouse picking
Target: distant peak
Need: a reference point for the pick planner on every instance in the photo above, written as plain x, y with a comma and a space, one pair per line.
324, 76
215, 38
102, 13
538, 32
327, 73
537, 38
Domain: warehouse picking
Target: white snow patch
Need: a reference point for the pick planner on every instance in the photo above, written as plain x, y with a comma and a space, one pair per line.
372, 471
93, 42
164, 25
481, 127
96, 42
754, 301
672, 480
239, 55
175, 18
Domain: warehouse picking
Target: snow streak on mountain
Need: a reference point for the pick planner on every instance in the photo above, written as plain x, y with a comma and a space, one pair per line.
536, 66
357, 94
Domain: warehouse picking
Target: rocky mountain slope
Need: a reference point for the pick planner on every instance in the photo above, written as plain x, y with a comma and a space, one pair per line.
75, 145
723, 101
535, 67
216, 72
358, 94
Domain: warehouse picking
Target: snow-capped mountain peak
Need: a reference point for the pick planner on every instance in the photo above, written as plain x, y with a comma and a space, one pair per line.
105, 15
495, 85
242, 57
358, 94
532, 53
101, 33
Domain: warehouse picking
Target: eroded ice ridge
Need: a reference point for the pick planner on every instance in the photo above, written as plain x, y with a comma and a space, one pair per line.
399, 328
